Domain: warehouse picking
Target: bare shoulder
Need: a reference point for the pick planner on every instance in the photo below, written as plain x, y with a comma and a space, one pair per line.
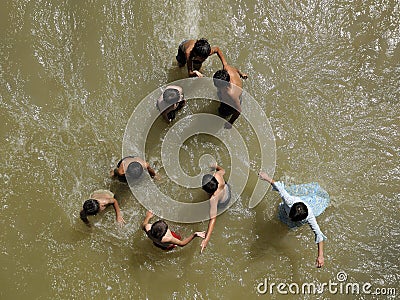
230, 69
102, 194
105, 200
141, 161
215, 49
189, 43
167, 237
235, 77
219, 175
147, 227
188, 46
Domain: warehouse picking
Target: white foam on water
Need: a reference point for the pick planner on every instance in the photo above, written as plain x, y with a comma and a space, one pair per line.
192, 18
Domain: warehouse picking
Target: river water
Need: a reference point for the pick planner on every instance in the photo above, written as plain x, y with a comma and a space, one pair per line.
326, 74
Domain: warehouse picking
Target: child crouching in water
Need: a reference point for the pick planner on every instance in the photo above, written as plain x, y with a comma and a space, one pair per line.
295, 210
163, 237
98, 201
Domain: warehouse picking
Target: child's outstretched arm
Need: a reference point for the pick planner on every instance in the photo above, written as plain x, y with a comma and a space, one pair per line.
220, 55
320, 257
264, 176
242, 75
191, 72
211, 223
187, 240
151, 171
286, 197
118, 214
319, 238
220, 169
149, 215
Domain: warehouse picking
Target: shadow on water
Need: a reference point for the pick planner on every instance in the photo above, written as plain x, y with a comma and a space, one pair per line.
273, 239
121, 190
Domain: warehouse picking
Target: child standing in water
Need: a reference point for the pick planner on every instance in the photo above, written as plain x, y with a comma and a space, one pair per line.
131, 167
220, 196
98, 201
295, 211
163, 237
229, 85
170, 102
193, 53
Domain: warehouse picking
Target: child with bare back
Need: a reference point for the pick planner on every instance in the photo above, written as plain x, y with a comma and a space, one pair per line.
220, 196
228, 82
194, 52
163, 237
98, 201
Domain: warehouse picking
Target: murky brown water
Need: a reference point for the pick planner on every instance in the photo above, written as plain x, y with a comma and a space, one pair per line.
326, 74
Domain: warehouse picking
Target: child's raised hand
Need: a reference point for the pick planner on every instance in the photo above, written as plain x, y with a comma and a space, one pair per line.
120, 220
198, 74
320, 261
264, 176
149, 214
203, 245
201, 234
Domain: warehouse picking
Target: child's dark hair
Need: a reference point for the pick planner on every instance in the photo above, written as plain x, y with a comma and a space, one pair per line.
221, 78
134, 170
171, 96
158, 229
298, 212
209, 183
201, 48
90, 208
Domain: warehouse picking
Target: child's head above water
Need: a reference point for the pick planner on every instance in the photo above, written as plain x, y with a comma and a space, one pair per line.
158, 229
90, 208
171, 96
134, 170
221, 78
201, 48
209, 183
298, 212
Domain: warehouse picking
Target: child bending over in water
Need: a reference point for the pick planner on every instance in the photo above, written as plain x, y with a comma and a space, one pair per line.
193, 53
170, 102
163, 237
295, 211
98, 201
131, 167
220, 196
229, 88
